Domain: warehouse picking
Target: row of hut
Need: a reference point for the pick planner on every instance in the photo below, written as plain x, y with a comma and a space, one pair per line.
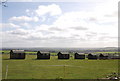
20, 54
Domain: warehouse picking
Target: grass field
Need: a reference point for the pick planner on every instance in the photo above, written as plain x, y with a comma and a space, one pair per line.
7, 51
107, 52
30, 68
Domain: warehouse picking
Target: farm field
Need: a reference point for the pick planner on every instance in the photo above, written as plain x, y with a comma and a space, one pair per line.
31, 68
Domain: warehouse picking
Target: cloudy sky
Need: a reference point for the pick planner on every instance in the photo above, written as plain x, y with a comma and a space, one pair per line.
89, 23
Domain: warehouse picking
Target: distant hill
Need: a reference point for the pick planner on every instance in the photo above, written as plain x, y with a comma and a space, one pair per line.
84, 50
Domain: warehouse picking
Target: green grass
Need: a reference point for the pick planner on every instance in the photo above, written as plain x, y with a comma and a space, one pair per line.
31, 52
107, 52
5, 51
30, 68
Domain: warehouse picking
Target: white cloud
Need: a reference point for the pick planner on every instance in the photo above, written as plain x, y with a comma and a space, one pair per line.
27, 10
75, 29
9, 25
18, 32
107, 7
26, 25
24, 19
52, 9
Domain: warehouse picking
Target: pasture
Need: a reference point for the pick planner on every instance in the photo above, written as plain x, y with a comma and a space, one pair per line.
31, 68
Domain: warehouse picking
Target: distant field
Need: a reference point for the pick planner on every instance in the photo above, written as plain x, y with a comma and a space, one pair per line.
7, 51
31, 52
30, 68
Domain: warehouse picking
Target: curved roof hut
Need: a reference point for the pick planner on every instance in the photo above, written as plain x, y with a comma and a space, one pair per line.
103, 56
17, 54
92, 56
63, 55
43, 55
79, 56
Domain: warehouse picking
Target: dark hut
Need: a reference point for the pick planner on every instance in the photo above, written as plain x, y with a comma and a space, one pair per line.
103, 56
17, 54
92, 56
63, 55
43, 55
79, 56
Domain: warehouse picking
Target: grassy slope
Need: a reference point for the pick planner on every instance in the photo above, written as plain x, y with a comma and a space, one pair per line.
30, 68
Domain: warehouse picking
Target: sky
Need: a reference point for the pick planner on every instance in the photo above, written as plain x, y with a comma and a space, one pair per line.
88, 23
